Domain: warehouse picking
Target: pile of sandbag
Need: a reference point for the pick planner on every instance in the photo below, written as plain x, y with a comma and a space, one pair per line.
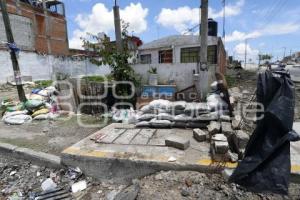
40, 105
178, 114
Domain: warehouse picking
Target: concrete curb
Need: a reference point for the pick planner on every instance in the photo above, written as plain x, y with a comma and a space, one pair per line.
39, 158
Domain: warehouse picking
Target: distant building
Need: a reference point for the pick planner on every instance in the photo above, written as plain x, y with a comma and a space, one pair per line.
176, 57
182, 49
37, 28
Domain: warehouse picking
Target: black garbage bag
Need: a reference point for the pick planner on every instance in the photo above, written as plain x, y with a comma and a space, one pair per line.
266, 166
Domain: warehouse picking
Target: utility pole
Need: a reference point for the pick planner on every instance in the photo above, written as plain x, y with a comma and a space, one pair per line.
203, 35
224, 17
284, 52
47, 25
118, 27
246, 52
10, 40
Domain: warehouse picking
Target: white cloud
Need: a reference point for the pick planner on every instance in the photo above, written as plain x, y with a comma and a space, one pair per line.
101, 20
230, 10
239, 50
272, 29
180, 19
185, 17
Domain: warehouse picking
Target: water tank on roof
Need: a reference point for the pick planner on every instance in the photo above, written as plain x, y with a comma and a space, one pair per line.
212, 27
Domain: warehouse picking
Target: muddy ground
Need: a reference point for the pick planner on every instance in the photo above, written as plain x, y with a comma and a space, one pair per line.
50, 136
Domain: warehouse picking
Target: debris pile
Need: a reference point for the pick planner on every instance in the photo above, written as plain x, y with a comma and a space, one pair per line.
41, 104
22, 180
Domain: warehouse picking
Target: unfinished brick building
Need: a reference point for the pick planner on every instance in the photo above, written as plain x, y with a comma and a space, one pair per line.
38, 26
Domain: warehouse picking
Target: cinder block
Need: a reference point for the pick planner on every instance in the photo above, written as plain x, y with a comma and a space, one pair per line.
214, 127
226, 128
221, 147
177, 142
199, 135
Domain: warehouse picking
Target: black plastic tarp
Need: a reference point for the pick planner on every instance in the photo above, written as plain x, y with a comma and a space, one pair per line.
266, 166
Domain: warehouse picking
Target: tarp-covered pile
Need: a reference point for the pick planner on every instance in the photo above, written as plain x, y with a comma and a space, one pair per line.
267, 165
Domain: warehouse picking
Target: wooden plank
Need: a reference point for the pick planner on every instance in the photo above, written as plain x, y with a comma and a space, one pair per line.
143, 137
127, 136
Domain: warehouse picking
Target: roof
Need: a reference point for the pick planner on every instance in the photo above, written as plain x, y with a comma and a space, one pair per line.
177, 40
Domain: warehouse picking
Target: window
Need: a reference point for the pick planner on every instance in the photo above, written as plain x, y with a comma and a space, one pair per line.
166, 56
145, 59
191, 54
212, 54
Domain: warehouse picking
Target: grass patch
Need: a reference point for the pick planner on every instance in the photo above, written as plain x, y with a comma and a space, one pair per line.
43, 83
98, 79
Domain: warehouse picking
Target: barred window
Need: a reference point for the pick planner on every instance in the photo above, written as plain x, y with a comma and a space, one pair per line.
166, 56
145, 59
191, 54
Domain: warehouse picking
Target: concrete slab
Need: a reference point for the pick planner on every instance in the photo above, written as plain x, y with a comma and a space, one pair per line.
123, 162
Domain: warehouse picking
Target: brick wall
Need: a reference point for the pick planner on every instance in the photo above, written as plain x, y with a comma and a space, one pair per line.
57, 33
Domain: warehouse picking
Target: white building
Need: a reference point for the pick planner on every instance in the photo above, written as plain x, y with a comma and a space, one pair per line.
176, 58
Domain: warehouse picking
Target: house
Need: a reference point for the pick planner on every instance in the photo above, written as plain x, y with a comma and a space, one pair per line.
176, 58
37, 27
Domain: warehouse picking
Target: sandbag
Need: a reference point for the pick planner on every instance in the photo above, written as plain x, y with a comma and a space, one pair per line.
160, 103
36, 97
195, 109
147, 109
9, 114
177, 105
155, 123
40, 112
33, 104
146, 117
215, 103
182, 118
165, 116
143, 124
49, 116
17, 119
18, 107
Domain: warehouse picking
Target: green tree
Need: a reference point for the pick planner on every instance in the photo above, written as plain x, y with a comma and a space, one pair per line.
118, 61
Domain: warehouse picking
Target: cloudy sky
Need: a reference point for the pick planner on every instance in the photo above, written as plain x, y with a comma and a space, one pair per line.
270, 25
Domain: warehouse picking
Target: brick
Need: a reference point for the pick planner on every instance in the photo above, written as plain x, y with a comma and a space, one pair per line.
214, 127
243, 139
226, 128
177, 142
199, 135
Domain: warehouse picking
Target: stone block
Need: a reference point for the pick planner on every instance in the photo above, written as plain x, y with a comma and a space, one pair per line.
199, 135
214, 127
242, 138
177, 142
221, 147
226, 128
